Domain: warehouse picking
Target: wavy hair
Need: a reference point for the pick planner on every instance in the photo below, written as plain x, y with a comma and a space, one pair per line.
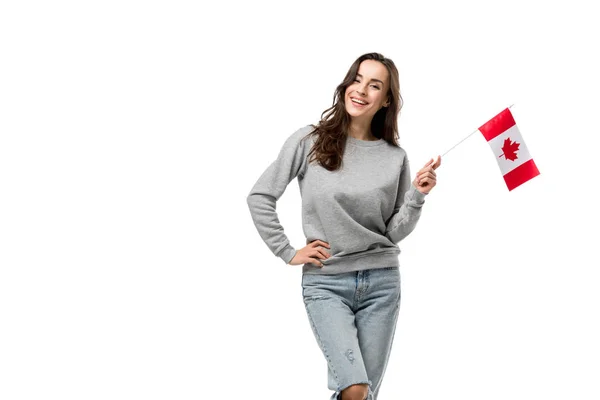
332, 129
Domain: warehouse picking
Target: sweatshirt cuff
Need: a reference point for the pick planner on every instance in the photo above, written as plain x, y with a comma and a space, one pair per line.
287, 254
416, 196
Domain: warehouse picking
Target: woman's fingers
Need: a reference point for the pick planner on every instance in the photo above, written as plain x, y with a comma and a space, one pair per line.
316, 262
319, 242
320, 253
427, 182
433, 164
427, 174
314, 252
428, 170
324, 253
437, 163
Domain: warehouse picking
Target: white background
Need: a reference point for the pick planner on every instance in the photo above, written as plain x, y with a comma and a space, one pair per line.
132, 132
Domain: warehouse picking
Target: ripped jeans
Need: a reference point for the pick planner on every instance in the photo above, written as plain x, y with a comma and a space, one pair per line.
353, 316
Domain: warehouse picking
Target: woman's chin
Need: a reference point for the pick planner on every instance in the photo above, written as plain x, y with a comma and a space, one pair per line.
356, 114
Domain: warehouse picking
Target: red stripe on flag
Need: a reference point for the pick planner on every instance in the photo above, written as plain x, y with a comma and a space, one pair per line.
497, 125
521, 174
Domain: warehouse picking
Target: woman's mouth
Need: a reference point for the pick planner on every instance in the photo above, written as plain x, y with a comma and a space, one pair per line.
358, 103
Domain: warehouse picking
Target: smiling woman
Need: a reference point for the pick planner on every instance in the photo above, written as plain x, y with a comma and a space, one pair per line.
367, 95
358, 203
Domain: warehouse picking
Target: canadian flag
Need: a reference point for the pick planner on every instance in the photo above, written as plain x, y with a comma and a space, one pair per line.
507, 144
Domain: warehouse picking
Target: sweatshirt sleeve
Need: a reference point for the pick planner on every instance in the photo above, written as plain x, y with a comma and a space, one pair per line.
407, 209
271, 185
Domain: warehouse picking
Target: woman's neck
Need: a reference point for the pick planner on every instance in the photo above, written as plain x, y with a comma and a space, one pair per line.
361, 130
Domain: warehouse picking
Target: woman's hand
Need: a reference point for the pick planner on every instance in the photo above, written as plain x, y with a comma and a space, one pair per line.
311, 254
425, 179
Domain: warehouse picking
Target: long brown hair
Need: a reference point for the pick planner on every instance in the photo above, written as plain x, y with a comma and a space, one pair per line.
332, 129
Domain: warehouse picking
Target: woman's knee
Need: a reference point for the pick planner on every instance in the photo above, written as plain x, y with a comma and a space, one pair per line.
355, 392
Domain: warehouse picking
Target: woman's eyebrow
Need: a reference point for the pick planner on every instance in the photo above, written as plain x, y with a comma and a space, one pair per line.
373, 79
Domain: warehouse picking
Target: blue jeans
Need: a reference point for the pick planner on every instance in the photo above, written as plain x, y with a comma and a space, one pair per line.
353, 316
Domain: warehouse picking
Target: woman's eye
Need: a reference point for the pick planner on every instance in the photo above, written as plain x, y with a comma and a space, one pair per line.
373, 86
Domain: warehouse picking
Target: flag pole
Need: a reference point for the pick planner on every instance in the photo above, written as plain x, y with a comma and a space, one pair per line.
465, 138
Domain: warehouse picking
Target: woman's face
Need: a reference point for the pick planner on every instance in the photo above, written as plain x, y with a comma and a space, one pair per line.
368, 93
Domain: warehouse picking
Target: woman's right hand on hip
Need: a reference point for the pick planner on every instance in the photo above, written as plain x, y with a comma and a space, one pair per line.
311, 254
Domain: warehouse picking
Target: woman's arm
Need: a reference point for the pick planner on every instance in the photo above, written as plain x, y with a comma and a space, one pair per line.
270, 186
407, 209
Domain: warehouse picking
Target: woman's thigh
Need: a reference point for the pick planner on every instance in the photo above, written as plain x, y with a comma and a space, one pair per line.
328, 301
376, 316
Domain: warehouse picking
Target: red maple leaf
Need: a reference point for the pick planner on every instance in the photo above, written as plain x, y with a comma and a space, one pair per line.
510, 149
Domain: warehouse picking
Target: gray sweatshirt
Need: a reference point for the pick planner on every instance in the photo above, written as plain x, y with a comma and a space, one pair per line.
363, 210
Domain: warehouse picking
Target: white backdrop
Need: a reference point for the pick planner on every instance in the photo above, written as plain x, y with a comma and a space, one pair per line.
131, 133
